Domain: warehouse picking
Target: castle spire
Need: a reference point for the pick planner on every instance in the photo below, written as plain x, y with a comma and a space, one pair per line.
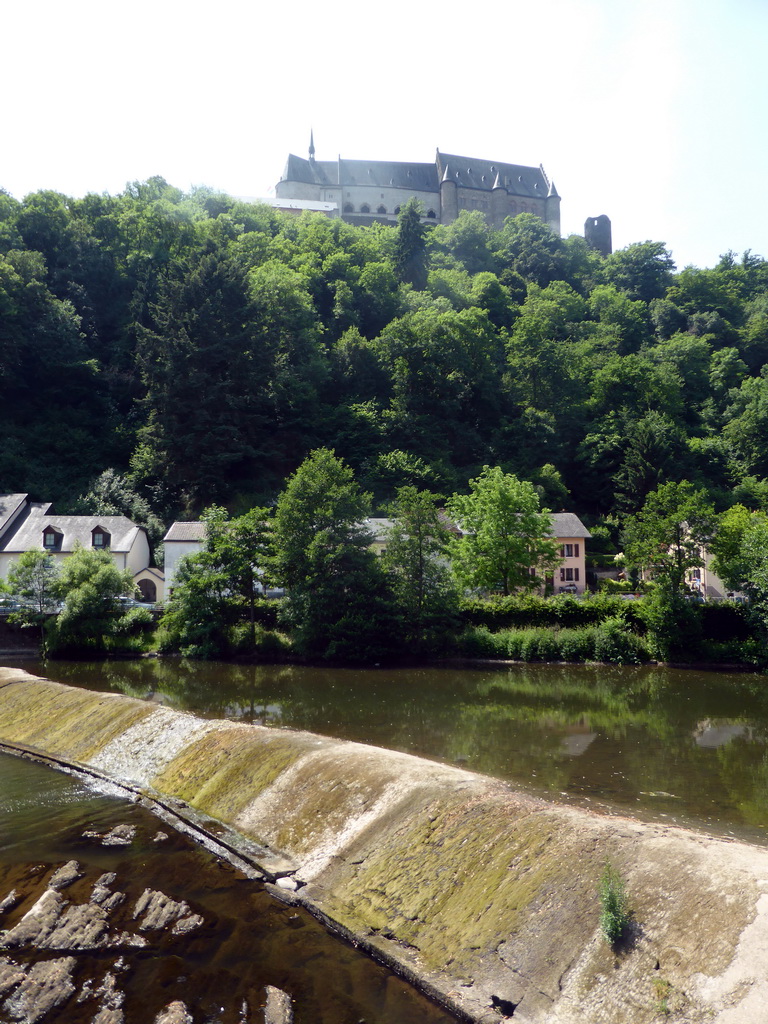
311, 146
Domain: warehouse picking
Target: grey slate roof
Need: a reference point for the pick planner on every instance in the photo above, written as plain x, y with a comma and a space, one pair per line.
29, 533
568, 524
378, 527
186, 531
467, 172
9, 506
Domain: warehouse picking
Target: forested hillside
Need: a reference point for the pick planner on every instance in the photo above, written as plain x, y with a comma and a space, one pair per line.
201, 347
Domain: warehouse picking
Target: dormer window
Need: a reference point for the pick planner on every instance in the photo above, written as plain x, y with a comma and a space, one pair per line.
51, 539
100, 538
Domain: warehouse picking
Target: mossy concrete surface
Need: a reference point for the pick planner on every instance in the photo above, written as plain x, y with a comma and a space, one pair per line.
485, 894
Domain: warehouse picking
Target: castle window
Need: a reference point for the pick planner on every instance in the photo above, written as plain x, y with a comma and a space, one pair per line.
365, 208
349, 208
382, 209
431, 214
397, 209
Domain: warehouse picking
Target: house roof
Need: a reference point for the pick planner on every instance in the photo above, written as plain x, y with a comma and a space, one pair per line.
9, 506
466, 172
568, 524
29, 533
186, 531
378, 527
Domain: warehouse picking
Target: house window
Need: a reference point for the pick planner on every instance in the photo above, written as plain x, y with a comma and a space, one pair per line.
566, 551
49, 539
98, 540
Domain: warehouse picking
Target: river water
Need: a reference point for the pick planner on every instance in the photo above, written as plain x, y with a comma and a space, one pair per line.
672, 745
247, 938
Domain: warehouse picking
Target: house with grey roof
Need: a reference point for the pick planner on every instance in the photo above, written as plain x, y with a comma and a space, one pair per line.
32, 525
180, 540
571, 535
365, 191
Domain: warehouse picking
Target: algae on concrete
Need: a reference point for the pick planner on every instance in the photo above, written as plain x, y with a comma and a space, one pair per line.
223, 771
70, 723
485, 891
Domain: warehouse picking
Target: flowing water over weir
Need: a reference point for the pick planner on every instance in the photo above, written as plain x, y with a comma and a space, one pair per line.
485, 893
660, 743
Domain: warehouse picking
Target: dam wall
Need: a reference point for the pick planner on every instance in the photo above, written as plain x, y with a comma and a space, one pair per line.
485, 894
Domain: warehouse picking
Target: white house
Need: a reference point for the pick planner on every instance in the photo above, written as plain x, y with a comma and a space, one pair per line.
30, 525
182, 539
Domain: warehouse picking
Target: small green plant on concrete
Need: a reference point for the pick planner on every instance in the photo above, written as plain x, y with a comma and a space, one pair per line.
614, 907
662, 990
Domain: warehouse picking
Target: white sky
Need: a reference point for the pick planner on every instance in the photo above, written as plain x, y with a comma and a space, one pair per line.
654, 112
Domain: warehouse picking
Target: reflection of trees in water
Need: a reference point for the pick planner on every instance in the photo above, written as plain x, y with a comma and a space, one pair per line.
627, 734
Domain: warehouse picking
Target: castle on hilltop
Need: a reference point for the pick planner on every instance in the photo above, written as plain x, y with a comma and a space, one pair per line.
365, 191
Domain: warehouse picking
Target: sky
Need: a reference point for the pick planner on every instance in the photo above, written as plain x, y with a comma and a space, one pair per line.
654, 112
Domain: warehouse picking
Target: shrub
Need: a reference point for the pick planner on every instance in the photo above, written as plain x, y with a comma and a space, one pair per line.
614, 906
532, 610
540, 645
614, 642
725, 620
577, 644
480, 642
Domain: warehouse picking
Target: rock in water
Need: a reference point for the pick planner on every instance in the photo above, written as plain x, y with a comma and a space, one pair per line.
174, 1013
45, 986
278, 1009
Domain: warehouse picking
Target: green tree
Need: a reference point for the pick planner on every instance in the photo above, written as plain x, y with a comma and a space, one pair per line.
411, 246
92, 618
339, 603
734, 546
33, 578
505, 534
745, 566
113, 494
527, 246
668, 536
416, 558
217, 588
643, 270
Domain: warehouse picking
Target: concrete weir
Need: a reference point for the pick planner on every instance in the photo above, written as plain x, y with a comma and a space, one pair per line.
485, 896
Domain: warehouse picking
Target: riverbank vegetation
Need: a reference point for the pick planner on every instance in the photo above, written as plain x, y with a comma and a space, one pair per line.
164, 353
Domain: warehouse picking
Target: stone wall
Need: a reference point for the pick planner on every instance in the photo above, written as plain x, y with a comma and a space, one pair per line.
484, 893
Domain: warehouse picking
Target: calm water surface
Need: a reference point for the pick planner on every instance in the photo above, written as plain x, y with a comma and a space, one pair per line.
248, 940
675, 745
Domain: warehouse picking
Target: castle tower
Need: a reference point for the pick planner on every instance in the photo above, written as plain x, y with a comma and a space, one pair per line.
499, 203
449, 199
311, 146
552, 209
597, 232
